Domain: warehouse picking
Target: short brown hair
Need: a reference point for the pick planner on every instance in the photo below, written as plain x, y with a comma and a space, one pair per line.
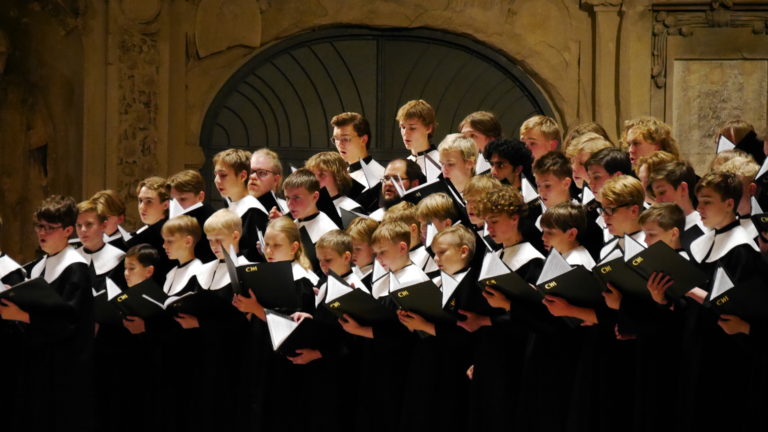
359, 124
665, 215
182, 225
335, 164
394, 232
484, 122
187, 181
302, 178
437, 206
736, 130
90, 206
157, 184
57, 209
404, 212
674, 173
461, 236
109, 203
504, 200
582, 129
554, 163
589, 142
335, 240
565, 216
420, 110
726, 184
546, 125
237, 159
653, 131
655, 160
362, 228
623, 190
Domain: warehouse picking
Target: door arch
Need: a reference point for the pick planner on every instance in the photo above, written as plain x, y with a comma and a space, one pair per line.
283, 98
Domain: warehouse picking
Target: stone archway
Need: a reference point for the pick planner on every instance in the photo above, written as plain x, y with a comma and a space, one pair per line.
285, 95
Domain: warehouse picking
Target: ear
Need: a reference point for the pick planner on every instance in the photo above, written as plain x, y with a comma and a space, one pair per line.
516, 220
730, 205
553, 145
150, 270
120, 219
447, 222
675, 232
415, 229
201, 196
683, 187
315, 196
571, 234
189, 240
518, 169
364, 140
430, 129
752, 189
294, 247
68, 230
567, 182
402, 247
236, 237
166, 204
242, 176
464, 251
347, 257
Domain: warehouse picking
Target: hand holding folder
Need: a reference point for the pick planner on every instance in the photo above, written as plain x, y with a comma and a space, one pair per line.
35, 295
358, 303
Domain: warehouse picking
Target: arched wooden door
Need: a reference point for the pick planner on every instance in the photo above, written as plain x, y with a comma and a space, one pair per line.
284, 97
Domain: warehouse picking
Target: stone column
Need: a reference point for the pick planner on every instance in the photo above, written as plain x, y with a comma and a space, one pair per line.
607, 18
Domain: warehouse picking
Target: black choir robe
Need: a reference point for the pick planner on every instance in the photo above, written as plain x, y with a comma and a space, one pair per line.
57, 352
152, 235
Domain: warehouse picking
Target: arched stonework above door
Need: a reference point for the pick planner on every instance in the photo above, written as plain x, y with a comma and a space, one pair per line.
284, 97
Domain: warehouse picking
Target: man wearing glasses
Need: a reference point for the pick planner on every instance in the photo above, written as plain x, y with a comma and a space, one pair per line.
352, 137
266, 180
402, 174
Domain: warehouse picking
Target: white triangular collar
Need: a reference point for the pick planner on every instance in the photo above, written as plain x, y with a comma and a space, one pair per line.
317, 226
749, 227
300, 272
482, 164
51, 267
422, 259
449, 283
103, 260
178, 278
520, 254
246, 203
580, 256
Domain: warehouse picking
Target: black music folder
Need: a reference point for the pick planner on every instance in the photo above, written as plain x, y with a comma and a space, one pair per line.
34, 295
357, 302
496, 274
575, 284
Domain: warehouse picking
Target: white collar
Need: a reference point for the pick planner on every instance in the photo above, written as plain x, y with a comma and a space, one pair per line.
244, 204
175, 209
406, 276
317, 226
718, 245
51, 267
694, 219
362, 272
178, 278
580, 256
121, 232
422, 259
482, 164
520, 254
618, 243
214, 275
749, 227
300, 272
104, 259
449, 283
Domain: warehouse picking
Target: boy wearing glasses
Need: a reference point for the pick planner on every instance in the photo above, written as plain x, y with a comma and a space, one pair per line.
352, 138
57, 351
622, 198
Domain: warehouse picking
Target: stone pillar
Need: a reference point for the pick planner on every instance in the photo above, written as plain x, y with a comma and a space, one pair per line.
607, 18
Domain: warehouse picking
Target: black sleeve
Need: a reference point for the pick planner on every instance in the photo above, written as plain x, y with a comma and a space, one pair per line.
74, 287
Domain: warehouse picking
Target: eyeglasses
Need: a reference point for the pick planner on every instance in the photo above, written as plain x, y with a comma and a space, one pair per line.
261, 173
341, 140
611, 210
392, 178
45, 228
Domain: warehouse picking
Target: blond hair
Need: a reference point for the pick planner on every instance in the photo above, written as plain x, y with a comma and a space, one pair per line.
335, 164
361, 228
109, 203
277, 166
546, 125
420, 110
394, 232
223, 221
90, 206
404, 212
623, 190
744, 166
655, 160
287, 227
237, 159
335, 240
182, 225
588, 142
582, 129
187, 181
725, 156
458, 236
653, 131
458, 142
479, 185
437, 206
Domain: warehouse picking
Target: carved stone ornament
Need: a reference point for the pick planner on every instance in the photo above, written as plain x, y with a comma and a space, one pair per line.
675, 20
68, 14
